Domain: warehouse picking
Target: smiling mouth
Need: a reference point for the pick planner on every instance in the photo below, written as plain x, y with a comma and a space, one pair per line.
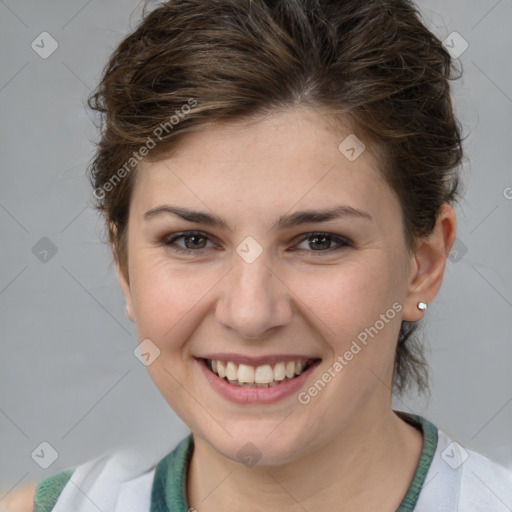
263, 376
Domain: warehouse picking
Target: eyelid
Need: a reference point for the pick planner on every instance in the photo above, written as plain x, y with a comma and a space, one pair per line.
169, 240
340, 240
343, 242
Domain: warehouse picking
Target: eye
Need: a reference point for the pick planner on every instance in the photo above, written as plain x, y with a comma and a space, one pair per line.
193, 240
321, 242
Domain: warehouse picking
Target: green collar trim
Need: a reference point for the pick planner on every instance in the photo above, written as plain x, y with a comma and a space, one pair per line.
49, 489
169, 492
430, 437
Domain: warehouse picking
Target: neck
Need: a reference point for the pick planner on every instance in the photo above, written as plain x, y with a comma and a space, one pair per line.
368, 467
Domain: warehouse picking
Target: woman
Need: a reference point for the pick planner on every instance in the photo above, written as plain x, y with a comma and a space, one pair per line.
277, 180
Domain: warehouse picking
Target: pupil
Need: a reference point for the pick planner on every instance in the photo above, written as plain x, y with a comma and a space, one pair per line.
190, 237
325, 239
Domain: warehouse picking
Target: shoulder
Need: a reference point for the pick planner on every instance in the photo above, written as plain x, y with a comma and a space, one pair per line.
49, 489
109, 482
484, 484
460, 478
125, 481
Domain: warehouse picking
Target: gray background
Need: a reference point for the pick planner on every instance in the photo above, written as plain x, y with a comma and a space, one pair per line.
68, 375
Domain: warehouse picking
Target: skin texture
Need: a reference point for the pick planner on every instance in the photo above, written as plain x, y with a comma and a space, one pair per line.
20, 499
346, 443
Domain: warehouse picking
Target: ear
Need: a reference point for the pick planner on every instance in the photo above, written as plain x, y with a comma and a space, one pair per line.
428, 263
123, 278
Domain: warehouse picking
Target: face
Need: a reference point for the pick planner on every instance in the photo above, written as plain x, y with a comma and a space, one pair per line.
264, 286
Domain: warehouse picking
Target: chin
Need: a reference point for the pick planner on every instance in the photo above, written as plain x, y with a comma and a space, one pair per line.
259, 443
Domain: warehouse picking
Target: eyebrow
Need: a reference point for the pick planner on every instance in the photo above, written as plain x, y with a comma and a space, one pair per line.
285, 221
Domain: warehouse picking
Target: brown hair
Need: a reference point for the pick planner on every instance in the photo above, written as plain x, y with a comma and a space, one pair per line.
193, 63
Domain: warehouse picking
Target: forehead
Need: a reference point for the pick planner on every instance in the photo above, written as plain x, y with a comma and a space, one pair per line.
284, 159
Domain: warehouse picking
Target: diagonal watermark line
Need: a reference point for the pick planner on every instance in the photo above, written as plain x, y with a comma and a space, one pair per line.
484, 218
306, 193
390, 389
497, 497
81, 419
13, 218
197, 401
73, 219
14, 279
6, 84
286, 491
96, 300
71, 480
13, 13
396, 396
15, 424
178, 178
216, 487
13, 487
429, 481
64, 173
482, 276
273, 273
492, 81
279, 424
501, 409
485, 15
76, 76
204, 295
76, 14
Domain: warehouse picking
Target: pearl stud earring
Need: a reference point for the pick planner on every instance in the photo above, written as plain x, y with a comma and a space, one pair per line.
422, 306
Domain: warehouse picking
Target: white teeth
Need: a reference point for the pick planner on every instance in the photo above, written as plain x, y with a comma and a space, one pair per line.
260, 376
290, 369
221, 369
279, 371
264, 374
245, 373
231, 371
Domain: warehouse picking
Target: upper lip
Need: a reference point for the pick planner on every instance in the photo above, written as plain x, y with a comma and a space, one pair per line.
257, 360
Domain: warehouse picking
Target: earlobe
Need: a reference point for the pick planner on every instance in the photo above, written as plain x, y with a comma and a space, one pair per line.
123, 278
428, 264
125, 288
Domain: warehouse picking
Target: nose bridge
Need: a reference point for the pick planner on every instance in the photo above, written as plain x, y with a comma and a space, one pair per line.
253, 278
253, 299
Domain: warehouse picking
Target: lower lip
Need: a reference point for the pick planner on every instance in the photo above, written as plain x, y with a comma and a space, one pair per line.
250, 395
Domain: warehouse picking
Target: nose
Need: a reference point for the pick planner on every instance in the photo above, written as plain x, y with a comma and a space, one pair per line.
254, 299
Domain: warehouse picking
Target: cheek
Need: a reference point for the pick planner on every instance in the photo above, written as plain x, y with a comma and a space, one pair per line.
167, 298
358, 300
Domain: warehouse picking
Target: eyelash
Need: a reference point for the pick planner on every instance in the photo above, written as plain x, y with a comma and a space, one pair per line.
171, 242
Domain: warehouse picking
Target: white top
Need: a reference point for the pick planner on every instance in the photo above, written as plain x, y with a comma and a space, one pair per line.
462, 480
110, 484
458, 480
